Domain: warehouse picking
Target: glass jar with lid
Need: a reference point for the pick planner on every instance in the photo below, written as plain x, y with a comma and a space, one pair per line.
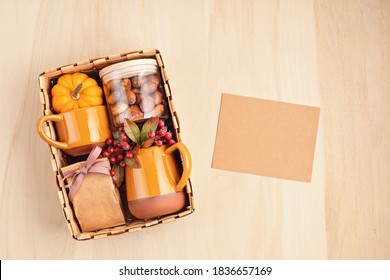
133, 90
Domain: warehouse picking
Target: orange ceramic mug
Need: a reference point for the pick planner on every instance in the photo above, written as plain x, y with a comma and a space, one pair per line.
78, 130
155, 189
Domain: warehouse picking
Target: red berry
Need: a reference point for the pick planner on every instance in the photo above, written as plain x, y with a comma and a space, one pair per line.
171, 142
115, 143
161, 132
129, 155
120, 157
158, 143
110, 150
122, 128
124, 137
112, 173
168, 136
161, 123
151, 134
112, 160
122, 164
126, 146
105, 153
109, 141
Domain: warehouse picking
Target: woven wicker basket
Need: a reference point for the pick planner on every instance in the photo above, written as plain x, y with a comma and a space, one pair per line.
59, 160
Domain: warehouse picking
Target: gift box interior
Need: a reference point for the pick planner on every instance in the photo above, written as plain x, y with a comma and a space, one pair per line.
60, 160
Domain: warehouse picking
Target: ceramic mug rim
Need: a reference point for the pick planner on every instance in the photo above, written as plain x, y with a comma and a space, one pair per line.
84, 109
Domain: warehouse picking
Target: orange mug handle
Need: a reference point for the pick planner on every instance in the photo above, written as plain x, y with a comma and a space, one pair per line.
44, 136
187, 163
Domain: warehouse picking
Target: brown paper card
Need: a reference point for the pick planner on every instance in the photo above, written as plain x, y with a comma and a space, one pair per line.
265, 137
97, 204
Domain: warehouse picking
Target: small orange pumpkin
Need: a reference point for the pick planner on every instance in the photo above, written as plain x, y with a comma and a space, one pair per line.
74, 91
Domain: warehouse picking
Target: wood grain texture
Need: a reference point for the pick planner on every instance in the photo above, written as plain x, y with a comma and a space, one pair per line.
353, 54
330, 54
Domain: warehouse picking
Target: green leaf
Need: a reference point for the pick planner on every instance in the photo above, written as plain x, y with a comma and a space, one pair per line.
115, 133
148, 142
149, 125
132, 162
133, 131
118, 178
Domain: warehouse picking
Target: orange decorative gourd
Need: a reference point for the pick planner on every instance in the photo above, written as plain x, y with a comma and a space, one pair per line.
74, 91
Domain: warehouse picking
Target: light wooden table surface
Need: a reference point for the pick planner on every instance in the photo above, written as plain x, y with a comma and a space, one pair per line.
332, 54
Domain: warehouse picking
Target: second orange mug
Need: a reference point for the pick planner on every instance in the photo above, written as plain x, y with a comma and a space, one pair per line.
78, 130
156, 188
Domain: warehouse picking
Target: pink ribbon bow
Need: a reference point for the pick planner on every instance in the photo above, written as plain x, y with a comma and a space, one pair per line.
90, 166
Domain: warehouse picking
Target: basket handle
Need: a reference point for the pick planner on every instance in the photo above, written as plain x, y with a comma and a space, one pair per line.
187, 163
44, 136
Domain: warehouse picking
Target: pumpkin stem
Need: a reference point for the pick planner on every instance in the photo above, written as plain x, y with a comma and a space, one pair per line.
76, 93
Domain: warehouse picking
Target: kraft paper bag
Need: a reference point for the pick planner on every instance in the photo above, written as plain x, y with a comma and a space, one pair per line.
97, 204
266, 137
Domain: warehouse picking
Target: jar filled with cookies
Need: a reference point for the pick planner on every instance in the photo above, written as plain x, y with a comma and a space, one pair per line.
133, 90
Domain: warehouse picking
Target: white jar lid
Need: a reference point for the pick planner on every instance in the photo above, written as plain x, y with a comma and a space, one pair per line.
128, 69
